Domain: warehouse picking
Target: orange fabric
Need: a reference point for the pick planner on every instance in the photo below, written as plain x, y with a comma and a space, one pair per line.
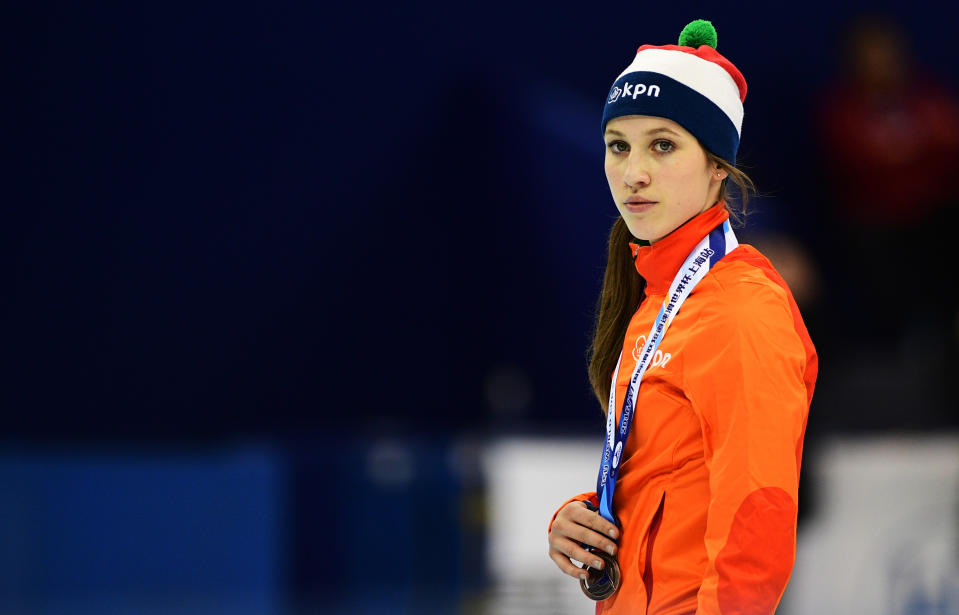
716, 438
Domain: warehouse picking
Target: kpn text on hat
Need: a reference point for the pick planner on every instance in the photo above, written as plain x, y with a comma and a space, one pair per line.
689, 83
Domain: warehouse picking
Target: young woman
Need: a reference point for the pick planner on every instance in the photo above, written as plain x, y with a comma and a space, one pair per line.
696, 501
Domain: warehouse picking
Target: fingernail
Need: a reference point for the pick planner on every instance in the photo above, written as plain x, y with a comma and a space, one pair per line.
597, 564
610, 550
582, 576
613, 533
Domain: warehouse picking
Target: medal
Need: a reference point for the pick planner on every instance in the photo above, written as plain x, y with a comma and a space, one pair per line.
601, 584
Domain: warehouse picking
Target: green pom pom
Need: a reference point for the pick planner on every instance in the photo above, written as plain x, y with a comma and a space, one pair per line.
696, 33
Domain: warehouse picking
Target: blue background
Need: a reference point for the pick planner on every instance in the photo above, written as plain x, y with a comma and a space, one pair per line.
245, 245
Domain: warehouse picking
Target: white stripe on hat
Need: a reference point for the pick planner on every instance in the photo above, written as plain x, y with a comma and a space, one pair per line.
708, 78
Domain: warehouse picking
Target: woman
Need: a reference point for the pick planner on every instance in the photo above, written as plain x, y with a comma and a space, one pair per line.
696, 499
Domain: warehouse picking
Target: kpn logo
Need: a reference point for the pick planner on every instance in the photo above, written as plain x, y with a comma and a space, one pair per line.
633, 90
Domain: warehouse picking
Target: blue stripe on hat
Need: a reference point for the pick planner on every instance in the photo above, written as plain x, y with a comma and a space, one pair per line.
649, 93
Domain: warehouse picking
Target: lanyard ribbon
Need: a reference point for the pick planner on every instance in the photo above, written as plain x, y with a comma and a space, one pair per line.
720, 241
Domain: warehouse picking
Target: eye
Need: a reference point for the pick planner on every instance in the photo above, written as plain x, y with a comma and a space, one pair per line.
618, 147
663, 146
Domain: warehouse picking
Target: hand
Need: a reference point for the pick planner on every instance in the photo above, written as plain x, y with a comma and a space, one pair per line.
574, 526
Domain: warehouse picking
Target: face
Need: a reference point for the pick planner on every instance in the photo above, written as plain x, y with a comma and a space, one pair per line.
658, 174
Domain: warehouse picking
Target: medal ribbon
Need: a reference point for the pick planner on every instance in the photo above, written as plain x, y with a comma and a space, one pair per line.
720, 241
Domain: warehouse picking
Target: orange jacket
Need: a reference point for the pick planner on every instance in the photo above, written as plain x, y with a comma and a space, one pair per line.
707, 491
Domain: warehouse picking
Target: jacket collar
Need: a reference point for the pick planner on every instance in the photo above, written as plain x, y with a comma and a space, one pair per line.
659, 262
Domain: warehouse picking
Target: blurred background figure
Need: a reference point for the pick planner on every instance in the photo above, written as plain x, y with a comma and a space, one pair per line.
887, 142
889, 136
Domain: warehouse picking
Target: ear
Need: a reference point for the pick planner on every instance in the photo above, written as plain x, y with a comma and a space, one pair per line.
719, 173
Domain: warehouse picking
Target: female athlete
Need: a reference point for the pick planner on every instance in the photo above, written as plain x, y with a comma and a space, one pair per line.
700, 359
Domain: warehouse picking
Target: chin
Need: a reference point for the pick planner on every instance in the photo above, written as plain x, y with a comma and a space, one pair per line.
643, 231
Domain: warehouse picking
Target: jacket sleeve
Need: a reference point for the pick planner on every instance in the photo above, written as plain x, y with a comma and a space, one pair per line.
589, 496
744, 378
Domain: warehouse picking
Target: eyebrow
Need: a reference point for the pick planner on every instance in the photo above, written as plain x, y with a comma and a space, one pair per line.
648, 132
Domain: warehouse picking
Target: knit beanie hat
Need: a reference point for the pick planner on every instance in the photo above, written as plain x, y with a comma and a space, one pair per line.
689, 83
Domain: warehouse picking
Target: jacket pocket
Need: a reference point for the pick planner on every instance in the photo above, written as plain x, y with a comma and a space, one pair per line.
650, 544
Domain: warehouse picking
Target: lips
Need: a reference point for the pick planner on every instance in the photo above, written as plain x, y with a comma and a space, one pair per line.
638, 204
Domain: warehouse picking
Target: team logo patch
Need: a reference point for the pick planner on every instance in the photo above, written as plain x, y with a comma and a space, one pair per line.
614, 94
660, 358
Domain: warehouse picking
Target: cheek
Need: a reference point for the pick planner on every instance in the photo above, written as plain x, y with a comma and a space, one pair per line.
694, 182
610, 171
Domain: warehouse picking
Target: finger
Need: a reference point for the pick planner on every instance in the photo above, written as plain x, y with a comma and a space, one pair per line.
584, 535
566, 565
572, 549
594, 520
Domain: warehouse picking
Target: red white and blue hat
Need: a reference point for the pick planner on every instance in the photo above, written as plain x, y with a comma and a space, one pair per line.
689, 83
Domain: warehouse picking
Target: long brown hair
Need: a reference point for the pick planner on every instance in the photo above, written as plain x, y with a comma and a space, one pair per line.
623, 287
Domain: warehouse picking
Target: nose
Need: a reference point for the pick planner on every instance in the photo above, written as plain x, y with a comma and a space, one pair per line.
636, 174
